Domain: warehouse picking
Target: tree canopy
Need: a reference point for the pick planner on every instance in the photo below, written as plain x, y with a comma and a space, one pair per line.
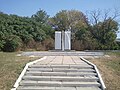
23, 29
37, 31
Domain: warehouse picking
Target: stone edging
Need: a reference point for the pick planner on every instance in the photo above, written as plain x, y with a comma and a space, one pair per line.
99, 76
23, 72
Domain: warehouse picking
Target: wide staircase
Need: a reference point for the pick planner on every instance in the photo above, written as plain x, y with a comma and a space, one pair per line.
79, 76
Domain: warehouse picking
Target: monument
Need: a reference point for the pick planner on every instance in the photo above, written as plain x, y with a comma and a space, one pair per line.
63, 40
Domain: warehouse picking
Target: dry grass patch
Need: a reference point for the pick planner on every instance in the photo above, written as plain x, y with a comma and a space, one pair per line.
11, 67
109, 68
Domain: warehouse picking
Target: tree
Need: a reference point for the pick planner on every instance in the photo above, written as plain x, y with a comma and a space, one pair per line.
104, 28
41, 16
67, 20
44, 30
97, 33
85, 39
71, 20
28, 30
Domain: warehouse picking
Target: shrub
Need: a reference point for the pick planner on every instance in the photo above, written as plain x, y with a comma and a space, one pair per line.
1, 44
48, 43
12, 43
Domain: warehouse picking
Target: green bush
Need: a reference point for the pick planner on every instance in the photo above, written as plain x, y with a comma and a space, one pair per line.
1, 44
12, 43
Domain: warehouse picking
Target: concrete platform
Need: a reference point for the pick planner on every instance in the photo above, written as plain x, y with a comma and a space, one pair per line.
62, 60
60, 53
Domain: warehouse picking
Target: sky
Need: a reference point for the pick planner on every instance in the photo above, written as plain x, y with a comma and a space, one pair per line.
30, 7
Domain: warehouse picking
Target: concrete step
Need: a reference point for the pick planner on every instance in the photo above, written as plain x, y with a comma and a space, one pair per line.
81, 66
80, 84
61, 66
40, 69
59, 84
61, 78
81, 74
60, 73
37, 73
72, 70
60, 70
56, 88
88, 88
35, 88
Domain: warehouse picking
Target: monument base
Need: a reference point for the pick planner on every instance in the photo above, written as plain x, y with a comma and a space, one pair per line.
59, 50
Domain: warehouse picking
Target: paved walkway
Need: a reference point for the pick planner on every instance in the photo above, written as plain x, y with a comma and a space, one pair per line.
62, 60
60, 73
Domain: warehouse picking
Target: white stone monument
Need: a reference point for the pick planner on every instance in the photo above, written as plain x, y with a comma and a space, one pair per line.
67, 40
63, 40
58, 40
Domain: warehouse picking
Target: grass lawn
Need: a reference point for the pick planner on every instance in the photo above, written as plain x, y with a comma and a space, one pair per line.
109, 67
10, 68
12, 65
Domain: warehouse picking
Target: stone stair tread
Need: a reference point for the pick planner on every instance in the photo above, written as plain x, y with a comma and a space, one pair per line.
56, 88
81, 66
65, 88
60, 66
81, 73
61, 69
55, 74
72, 84
40, 69
88, 88
40, 66
37, 73
61, 78
59, 84
71, 70
35, 88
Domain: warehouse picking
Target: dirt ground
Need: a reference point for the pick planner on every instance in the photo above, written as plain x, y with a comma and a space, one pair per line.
109, 67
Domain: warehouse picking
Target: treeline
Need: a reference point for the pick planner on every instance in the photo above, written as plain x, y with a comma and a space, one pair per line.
37, 32
21, 33
97, 31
